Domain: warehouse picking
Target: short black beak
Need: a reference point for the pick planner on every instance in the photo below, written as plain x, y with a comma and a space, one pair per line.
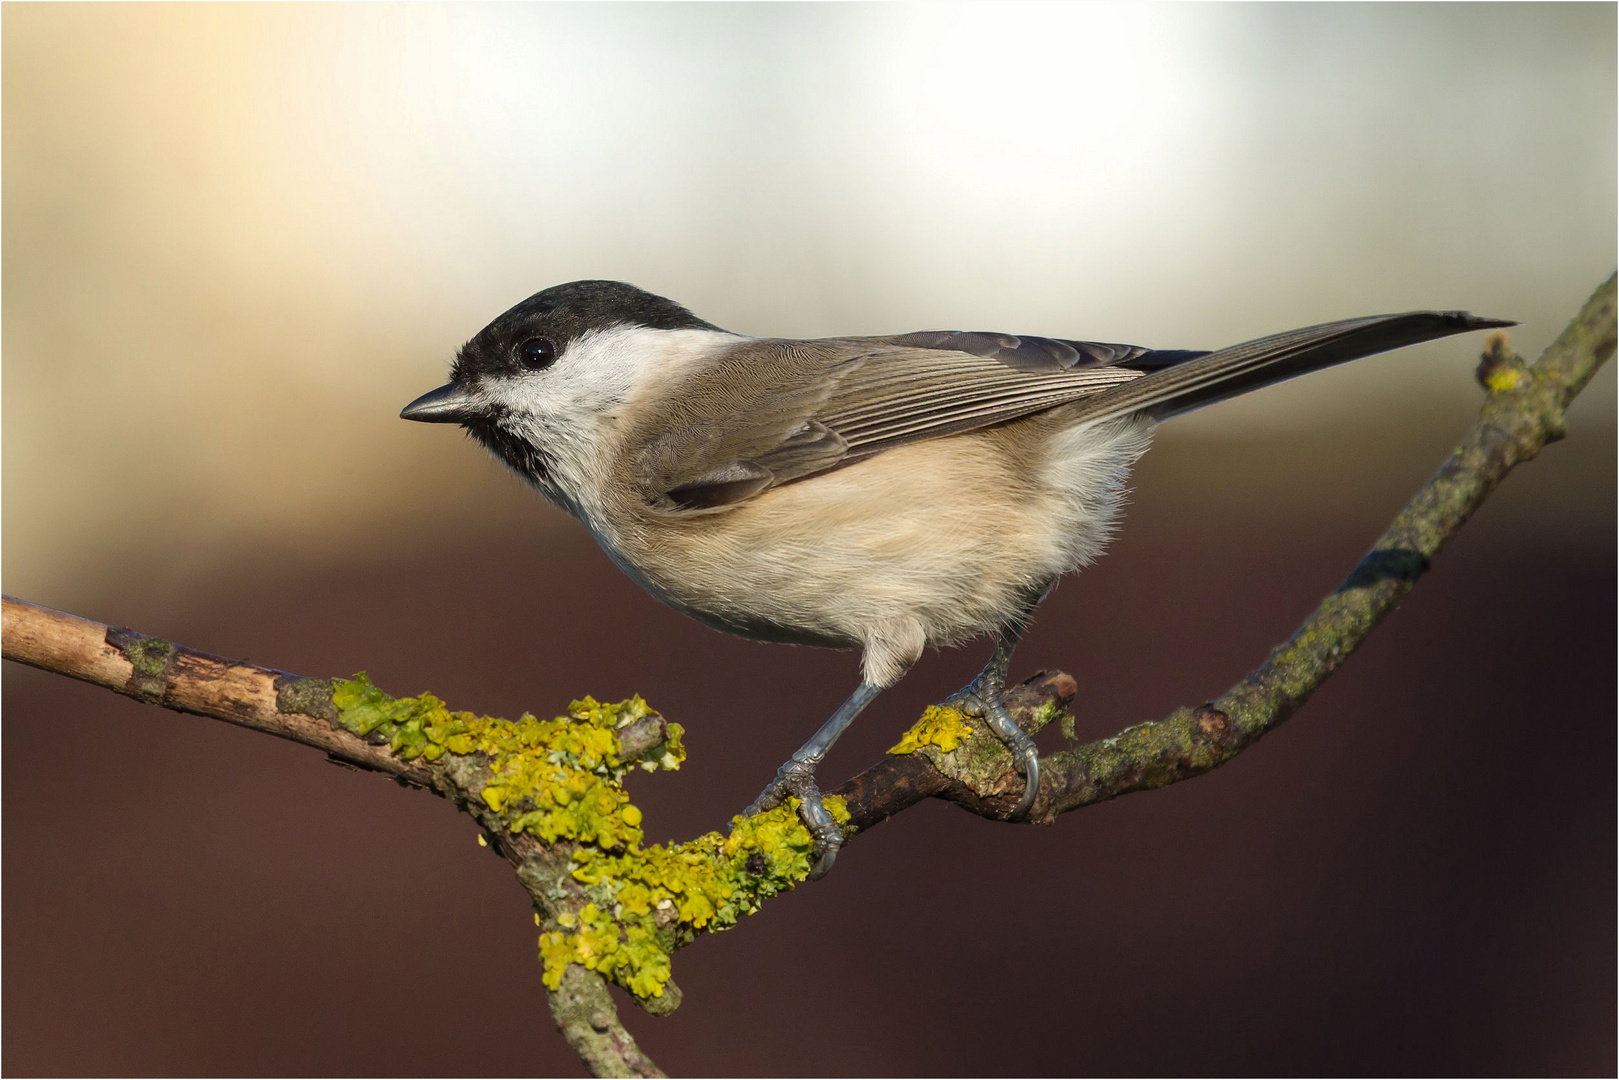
449, 404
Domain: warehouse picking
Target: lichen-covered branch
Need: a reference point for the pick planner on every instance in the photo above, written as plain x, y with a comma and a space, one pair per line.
944, 757
549, 793
469, 760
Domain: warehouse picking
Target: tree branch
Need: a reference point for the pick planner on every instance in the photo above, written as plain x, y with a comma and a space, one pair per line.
1523, 412
294, 707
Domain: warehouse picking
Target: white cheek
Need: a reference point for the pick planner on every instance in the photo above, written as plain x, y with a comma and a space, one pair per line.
572, 409
605, 369
533, 397
602, 370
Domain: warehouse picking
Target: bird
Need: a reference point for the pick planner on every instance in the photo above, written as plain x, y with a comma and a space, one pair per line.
884, 493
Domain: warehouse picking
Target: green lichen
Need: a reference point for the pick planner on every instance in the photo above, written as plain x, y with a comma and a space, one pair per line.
1053, 711
149, 659
150, 656
940, 726
561, 780
311, 697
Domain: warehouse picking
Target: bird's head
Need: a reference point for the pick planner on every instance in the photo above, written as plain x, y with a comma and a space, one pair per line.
543, 376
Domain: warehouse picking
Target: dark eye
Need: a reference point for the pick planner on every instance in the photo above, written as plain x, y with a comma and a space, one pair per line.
537, 353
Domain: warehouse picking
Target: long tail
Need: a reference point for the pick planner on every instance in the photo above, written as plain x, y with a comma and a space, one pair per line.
1241, 368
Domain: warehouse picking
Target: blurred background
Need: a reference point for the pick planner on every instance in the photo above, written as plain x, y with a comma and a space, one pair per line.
237, 239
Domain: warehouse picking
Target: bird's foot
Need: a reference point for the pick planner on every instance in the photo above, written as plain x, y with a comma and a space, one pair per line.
982, 699
798, 778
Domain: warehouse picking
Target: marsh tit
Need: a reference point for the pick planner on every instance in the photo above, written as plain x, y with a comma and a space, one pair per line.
879, 493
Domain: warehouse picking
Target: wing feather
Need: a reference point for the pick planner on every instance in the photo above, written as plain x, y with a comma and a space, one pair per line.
769, 412
1219, 375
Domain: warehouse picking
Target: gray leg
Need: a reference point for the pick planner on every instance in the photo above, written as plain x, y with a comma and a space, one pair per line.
983, 699
797, 777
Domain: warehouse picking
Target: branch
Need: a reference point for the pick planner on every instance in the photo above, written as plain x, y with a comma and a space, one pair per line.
301, 709
608, 905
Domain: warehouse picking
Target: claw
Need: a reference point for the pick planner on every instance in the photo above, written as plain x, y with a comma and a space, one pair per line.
823, 865
984, 703
797, 778
1031, 783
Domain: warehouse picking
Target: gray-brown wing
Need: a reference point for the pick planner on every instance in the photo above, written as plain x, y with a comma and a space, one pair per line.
901, 395
771, 412
742, 424
1132, 380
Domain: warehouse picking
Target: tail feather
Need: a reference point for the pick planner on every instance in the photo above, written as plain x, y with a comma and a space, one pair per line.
1226, 373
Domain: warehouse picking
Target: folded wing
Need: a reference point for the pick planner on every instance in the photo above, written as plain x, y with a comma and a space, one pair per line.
771, 412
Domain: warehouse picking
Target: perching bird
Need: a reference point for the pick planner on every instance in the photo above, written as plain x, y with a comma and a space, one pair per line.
879, 493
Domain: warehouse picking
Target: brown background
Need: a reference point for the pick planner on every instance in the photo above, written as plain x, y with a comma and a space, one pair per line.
238, 238
1417, 874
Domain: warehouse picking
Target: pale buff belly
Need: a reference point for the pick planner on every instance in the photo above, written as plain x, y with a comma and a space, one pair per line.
934, 542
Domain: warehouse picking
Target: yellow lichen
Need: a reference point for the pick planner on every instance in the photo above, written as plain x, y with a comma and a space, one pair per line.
1503, 378
561, 780
557, 779
940, 726
556, 954
662, 895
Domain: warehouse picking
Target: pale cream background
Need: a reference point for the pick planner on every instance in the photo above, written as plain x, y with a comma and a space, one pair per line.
238, 238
